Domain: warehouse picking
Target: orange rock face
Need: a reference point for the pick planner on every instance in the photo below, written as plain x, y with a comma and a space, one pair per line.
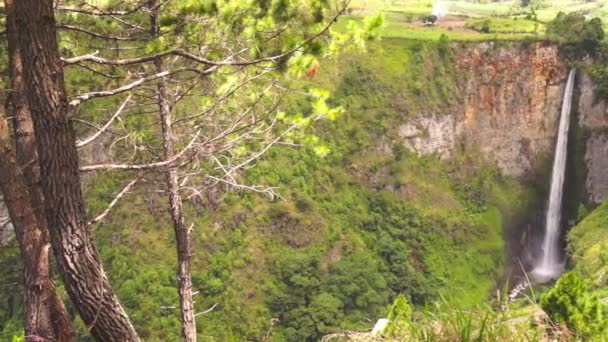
509, 110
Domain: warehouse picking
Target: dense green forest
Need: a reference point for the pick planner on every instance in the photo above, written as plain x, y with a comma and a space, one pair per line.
340, 223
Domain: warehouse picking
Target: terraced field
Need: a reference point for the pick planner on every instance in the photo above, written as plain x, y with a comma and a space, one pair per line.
467, 20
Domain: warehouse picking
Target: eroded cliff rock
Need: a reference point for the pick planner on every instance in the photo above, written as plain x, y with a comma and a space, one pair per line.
509, 107
593, 118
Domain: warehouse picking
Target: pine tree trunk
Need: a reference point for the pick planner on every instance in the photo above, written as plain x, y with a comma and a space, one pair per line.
77, 258
34, 250
182, 233
43, 307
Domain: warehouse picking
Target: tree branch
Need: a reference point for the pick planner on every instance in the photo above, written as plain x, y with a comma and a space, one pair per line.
206, 311
95, 34
120, 195
225, 62
96, 11
104, 93
148, 166
106, 126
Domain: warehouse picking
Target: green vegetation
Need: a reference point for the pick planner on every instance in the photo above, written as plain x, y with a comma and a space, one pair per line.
577, 35
598, 70
475, 21
399, 316
362, 223
506, 25
545, 10
500, 29
446, 323
355, 229
580, 37
571, 303
575, 300
568, 311
588, 244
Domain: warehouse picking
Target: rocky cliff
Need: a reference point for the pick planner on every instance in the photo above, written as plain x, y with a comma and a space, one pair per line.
508, 110
593, 118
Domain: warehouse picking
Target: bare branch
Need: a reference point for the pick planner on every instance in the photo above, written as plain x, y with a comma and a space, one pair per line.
148, 166
268, 191
5, 224
144, 59
120, 195
97, 35
104, 93
206, 311
262, 151
96, 11
222, 98
106, 126
95, 71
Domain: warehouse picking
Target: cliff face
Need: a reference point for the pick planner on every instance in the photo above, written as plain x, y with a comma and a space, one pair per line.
509, 110
509, 107
593, 118
512, 103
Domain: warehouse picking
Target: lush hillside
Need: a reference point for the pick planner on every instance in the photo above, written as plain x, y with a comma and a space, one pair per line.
587, 243
354, 227
360, 219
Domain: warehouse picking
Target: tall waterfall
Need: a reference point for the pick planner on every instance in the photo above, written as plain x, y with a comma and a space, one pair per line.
550, 266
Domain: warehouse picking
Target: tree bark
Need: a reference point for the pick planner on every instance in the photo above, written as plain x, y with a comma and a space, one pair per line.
34, 251
43, 307
182, 233
77, 258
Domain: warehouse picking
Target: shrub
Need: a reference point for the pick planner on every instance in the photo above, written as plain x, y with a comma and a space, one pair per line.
569, 302
399, 315
485, 26
577, 35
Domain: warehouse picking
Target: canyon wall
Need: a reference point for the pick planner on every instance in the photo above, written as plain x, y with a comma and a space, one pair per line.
593, 118
509, 107
509, 110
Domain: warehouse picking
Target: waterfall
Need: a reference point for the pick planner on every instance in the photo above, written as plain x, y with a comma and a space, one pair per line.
550, 266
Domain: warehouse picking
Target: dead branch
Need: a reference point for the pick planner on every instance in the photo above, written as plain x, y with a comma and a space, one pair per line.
268, 191
120, 195
96, 11
106, 126
104, 93
97, 35
206, 311
160, 164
